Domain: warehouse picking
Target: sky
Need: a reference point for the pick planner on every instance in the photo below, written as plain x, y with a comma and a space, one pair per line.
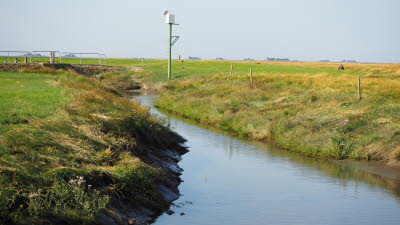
311, 30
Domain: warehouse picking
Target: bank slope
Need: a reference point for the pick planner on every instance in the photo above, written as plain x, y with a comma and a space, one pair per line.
314, 114
73, 152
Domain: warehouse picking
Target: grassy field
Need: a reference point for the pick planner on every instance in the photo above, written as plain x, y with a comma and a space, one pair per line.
26, 96
67, 146
310, 108
155, 71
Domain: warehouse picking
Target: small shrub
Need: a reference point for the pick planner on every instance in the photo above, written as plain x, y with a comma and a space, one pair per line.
353, 125
8, 196
137, 186
70, 200
342, 146
314, 98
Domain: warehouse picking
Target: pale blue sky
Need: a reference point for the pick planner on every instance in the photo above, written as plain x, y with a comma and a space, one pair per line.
364, 30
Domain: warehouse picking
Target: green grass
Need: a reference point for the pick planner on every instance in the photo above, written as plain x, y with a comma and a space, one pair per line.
27, 96
70, 127
155, 71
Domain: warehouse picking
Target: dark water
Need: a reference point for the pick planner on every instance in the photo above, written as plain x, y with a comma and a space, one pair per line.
231, 181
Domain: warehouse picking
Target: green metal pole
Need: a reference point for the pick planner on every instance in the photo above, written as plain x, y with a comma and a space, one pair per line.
170, 52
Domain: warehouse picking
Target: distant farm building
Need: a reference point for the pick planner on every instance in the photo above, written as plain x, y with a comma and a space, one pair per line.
31, 55
349, 61
194, 58
278, 59
283, 60
248, 59
70, 55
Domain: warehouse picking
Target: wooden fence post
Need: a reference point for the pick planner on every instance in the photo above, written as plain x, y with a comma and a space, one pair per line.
251, 77
359, 88
230, 73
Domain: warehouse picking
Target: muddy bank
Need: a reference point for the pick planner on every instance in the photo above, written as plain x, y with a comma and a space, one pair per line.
86, 70
120, 212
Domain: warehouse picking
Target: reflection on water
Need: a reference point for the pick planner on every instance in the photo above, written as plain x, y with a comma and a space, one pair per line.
232, 181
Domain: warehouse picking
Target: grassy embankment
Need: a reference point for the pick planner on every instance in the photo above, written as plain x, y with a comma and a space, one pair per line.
310, 108
67, 146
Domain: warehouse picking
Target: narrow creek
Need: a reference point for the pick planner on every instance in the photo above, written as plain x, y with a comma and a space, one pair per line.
233, 181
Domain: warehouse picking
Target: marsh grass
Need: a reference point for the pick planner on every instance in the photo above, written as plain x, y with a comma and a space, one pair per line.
313, 114
76, 128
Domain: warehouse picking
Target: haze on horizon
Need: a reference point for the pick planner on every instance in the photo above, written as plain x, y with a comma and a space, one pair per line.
363, 30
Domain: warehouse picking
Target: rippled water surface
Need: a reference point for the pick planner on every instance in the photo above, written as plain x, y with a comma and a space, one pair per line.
231, 181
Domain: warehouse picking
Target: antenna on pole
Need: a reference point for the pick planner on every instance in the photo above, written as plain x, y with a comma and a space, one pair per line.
170, 20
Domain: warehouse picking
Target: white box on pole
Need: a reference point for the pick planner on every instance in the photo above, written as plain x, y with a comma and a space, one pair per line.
170, 18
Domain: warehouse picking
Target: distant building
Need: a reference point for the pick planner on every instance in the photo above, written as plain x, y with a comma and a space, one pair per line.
32, 55
325, 60
278, 59
194, 58
219, 58
349, 61
70, 55
248, 59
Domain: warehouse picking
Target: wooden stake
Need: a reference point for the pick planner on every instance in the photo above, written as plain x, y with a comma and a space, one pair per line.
251, 76
230, 73
359, 88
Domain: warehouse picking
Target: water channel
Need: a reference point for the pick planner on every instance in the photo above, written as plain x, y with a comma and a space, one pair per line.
232, 181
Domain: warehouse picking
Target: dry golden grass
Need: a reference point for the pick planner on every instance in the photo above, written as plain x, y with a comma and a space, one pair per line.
317, 115
367, 68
